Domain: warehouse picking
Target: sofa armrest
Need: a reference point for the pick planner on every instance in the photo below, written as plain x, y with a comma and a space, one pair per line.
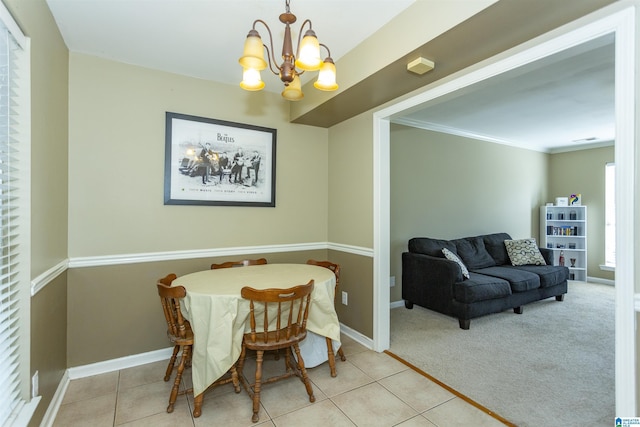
428, 281
547, 254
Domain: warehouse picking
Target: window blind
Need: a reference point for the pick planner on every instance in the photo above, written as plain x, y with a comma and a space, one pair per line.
11, 278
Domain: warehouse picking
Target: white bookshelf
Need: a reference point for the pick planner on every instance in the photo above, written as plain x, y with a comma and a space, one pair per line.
564, 229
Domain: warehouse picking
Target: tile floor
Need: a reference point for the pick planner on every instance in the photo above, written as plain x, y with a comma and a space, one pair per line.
371, 389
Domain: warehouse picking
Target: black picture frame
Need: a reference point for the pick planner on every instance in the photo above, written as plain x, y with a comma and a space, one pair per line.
214, 162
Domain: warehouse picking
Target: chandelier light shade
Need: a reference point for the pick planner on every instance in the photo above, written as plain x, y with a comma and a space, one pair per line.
251, 79
306, 58
293, 91
327, 76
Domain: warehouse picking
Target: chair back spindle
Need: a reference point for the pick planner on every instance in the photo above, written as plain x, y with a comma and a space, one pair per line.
288, 309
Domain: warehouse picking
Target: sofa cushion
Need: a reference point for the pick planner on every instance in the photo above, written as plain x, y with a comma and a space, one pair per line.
524, 252
550, 275
453, 257
473, 253
520, 280
429, 246
480, 288
494, 243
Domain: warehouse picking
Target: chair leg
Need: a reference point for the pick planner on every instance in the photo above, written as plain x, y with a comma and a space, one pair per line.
234, 379
289, 367
197, 405
172, 362
257, 386
332, 358
341, 354
176, 384
303, 371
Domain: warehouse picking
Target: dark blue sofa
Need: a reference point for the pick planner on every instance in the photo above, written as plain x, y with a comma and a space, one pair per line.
434, 282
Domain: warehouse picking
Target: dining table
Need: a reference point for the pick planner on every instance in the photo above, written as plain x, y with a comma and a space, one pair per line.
219, 315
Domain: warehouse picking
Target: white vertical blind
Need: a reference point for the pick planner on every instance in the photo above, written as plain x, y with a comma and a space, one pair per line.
11, 277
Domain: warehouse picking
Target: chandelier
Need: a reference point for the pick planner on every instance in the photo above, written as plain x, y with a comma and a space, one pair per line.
305, 58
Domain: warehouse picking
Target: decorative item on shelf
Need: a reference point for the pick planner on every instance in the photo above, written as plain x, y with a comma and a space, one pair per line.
560, 215
573, 262
573, 215
562, 201
549, 215
305, 58
561, 259
572, 245
572, 276
575, 200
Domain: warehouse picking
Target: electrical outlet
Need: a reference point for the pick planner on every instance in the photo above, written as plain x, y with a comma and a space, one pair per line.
35, 385
345, 298
392, 281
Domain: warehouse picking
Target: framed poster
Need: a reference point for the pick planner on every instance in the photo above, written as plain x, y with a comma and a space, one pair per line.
215, 162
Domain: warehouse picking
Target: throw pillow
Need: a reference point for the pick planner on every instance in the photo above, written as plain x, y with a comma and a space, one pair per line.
524, 252
453, 257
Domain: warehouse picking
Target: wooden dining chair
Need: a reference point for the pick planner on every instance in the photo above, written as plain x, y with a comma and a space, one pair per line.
180, 334
336, 270
243, 263
278, 321
167, 281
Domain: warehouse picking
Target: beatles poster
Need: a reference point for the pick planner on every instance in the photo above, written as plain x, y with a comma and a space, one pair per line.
215, 162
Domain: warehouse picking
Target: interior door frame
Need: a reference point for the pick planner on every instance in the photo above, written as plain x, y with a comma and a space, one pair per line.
619, 19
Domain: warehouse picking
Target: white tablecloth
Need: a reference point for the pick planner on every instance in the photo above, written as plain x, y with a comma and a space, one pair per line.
218, 314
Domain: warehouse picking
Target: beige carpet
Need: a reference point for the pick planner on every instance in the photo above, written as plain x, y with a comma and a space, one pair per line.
551, 366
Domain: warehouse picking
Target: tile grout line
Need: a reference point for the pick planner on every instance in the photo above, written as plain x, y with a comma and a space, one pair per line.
452, 390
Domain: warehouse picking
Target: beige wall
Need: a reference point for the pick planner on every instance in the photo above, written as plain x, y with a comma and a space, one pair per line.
49, 340
583, 172
351, 216
446, 186
116, 165
114, 311
350, 178
116, 170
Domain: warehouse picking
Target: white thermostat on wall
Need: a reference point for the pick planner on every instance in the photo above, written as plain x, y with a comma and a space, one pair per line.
562, 201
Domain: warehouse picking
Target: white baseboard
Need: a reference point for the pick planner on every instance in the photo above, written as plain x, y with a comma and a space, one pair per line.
397, 304
56, 401
602, 281
356, 336
120, 363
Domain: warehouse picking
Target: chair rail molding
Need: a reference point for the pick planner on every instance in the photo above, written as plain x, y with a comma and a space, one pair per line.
45, 278
38, 283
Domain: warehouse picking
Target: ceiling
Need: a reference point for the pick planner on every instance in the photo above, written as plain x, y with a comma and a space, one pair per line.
205, 38
555, 104
558, 103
